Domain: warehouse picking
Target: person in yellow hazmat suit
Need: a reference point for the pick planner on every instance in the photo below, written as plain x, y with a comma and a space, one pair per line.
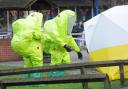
58, 40
26, 41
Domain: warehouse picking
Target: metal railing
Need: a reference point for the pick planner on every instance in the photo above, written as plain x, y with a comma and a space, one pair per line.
80, 39
5, 35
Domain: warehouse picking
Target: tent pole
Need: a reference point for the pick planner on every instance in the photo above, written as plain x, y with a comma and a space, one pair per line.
97, 7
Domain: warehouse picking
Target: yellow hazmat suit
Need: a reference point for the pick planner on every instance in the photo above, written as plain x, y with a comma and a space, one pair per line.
26, 40
58, 40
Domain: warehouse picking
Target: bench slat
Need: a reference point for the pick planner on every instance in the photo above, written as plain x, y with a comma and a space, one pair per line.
63, 67
55, 80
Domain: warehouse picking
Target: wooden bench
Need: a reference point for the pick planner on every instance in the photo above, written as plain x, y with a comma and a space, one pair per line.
82, 66
57, 80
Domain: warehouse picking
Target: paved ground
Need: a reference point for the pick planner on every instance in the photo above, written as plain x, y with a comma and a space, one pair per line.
122, 88
73, 55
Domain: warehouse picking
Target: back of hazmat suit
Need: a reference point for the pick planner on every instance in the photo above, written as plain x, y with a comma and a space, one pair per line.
58, 40
26, 41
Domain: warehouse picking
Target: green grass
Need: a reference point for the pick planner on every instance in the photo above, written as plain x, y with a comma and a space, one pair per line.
95, 85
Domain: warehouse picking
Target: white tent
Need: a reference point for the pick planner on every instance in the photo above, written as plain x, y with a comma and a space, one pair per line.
107, 37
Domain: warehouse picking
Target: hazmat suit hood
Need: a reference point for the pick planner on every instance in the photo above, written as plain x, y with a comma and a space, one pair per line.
37, 18
33, 21
66, 20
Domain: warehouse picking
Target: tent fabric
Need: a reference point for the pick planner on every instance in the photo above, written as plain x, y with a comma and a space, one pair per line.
107, 38
107, 22
14, 4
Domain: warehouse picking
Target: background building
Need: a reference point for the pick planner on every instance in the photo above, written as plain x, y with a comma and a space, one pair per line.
10, 10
